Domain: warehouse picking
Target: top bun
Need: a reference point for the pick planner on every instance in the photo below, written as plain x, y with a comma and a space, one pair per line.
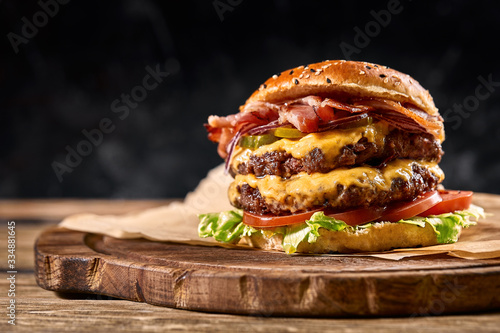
351, 79
345, 78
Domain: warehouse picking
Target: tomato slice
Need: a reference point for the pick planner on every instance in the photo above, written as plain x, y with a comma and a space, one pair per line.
452, 201
430, 203
358, 216
351, 217
263, 221
405, 210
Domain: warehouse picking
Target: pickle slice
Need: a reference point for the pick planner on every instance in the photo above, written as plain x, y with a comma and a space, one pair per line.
288, 132
256, 141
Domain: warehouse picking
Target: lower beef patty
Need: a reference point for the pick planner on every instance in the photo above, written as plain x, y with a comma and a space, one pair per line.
398, 144
422, 180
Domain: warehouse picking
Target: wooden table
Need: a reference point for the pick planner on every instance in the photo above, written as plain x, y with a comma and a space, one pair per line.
41, 310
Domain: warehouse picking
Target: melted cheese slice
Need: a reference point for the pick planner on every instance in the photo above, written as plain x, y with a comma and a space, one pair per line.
330, 143
303, 190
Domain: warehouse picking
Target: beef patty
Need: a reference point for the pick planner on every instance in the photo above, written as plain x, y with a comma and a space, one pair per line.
397, 144
422, 180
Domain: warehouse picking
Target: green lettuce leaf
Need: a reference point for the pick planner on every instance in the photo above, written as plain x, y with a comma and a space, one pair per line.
309, 231
447, 226
227, 227
296, 234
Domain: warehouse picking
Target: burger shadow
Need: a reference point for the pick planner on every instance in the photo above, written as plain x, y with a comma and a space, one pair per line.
84, 296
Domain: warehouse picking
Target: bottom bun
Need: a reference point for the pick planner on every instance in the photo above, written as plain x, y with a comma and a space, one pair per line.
381, 236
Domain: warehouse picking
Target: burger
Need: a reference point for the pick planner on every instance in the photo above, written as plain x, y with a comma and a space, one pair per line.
336, 157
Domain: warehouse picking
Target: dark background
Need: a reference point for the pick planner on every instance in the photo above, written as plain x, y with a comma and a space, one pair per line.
66, 77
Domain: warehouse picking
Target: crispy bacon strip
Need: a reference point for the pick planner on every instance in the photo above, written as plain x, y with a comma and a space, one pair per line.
310, 113
258, 113
302, 117
405, 117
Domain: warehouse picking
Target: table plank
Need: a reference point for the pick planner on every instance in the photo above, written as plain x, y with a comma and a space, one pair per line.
42, 209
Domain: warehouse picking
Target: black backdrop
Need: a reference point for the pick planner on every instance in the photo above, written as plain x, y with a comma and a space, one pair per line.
127, 85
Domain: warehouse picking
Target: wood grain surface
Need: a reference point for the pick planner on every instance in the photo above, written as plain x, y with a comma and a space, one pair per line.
264, 283
49, 209
40, 310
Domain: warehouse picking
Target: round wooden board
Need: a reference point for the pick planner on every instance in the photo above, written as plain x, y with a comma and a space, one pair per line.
263, 283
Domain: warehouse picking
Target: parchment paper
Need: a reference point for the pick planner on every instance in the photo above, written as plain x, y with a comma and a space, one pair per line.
178, 222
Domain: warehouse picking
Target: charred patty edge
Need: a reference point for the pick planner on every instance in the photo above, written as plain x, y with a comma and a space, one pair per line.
350, 197
398, 144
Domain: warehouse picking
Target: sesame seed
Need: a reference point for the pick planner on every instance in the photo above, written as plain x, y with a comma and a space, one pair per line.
296, 81
312, 70
301, 76
275, 76
328, 80
361, 72
307, 76
291, 72
376, 66
265, 86
386, 80
368, 67
382, 75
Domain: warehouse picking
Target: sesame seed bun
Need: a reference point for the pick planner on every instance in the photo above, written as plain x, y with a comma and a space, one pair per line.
350, 79
380, 236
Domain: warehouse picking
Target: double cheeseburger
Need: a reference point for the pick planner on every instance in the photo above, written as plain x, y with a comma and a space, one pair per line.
337, 156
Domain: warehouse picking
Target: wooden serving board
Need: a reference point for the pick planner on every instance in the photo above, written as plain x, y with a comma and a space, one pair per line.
246, 281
